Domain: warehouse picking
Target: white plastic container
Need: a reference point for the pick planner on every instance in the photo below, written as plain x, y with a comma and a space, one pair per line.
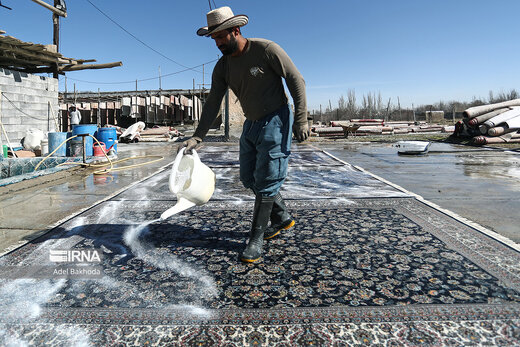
44, 145
412, 147
33, 138
191, 181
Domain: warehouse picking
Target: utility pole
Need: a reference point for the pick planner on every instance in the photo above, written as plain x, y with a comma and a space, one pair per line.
226, 120
58, 10
399, 105
56, 28
160, 78
98, 120
132, 102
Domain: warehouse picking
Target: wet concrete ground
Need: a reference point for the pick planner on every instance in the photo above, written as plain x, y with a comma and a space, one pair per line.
30, 208
479, 184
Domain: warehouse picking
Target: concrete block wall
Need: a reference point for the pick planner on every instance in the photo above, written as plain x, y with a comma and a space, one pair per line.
24, 104
236, 114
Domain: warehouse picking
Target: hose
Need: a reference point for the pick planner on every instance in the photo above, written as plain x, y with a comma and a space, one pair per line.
7, 137
110, 162
50, 154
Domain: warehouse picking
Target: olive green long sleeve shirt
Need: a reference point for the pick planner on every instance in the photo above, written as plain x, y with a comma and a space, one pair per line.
256, 79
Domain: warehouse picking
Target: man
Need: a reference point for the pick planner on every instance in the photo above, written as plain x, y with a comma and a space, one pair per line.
253, 69
75, 115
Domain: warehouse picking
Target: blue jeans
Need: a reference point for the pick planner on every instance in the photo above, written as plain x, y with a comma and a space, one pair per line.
265, 146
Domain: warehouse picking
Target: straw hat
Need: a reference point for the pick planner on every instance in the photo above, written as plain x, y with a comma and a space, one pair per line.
222, 18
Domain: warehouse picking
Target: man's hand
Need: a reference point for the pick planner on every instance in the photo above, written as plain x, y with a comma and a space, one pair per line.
190, 144
301, 131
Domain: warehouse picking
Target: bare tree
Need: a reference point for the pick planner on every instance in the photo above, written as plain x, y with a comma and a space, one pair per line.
352, 110
380, 106
342, 105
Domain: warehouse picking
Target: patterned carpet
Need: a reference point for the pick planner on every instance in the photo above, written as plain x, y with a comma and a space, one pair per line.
365, 264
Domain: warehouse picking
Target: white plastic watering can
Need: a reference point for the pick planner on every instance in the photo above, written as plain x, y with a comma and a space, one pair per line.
192, 182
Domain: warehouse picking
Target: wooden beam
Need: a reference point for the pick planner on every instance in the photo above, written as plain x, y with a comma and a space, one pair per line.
67, 61
90, 66
41, 56
52, 8
36, 70
20, 62
51, 49
81, 61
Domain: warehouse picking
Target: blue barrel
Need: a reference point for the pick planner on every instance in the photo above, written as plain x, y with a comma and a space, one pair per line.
108, 136
55, 139
81, 129
69, 135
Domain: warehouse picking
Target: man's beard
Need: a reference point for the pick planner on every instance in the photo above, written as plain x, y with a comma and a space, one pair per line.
230, 48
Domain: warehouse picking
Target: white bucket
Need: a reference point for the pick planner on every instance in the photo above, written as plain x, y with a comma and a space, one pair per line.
33, 138
44, 147
192, 182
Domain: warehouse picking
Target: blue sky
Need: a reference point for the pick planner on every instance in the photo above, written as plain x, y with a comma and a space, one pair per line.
420, 51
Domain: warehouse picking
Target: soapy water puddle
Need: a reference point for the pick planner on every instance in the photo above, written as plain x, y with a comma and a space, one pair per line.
22, 300
145, 251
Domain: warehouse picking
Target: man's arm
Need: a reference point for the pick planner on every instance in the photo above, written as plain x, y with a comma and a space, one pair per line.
283, 65
210, 108
212, 104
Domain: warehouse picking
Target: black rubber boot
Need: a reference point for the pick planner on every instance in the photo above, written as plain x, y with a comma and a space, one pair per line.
280, 218
261, 214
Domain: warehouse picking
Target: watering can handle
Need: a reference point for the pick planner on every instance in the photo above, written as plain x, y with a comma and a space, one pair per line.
178, 158
195, 155
176, 162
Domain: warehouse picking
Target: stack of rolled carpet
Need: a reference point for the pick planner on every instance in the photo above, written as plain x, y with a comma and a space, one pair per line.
493, 123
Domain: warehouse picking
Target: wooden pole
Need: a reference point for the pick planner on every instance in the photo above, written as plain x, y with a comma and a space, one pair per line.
136, 103
388, 109
90, 66
399, 104
55, 38
98, 120
4, 131
226, 121
49, 7
198, 113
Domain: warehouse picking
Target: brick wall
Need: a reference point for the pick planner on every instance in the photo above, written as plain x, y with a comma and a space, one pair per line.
24, 103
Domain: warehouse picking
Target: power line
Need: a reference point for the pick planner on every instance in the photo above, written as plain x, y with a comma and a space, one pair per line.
16, 107
145, 79
138, 39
